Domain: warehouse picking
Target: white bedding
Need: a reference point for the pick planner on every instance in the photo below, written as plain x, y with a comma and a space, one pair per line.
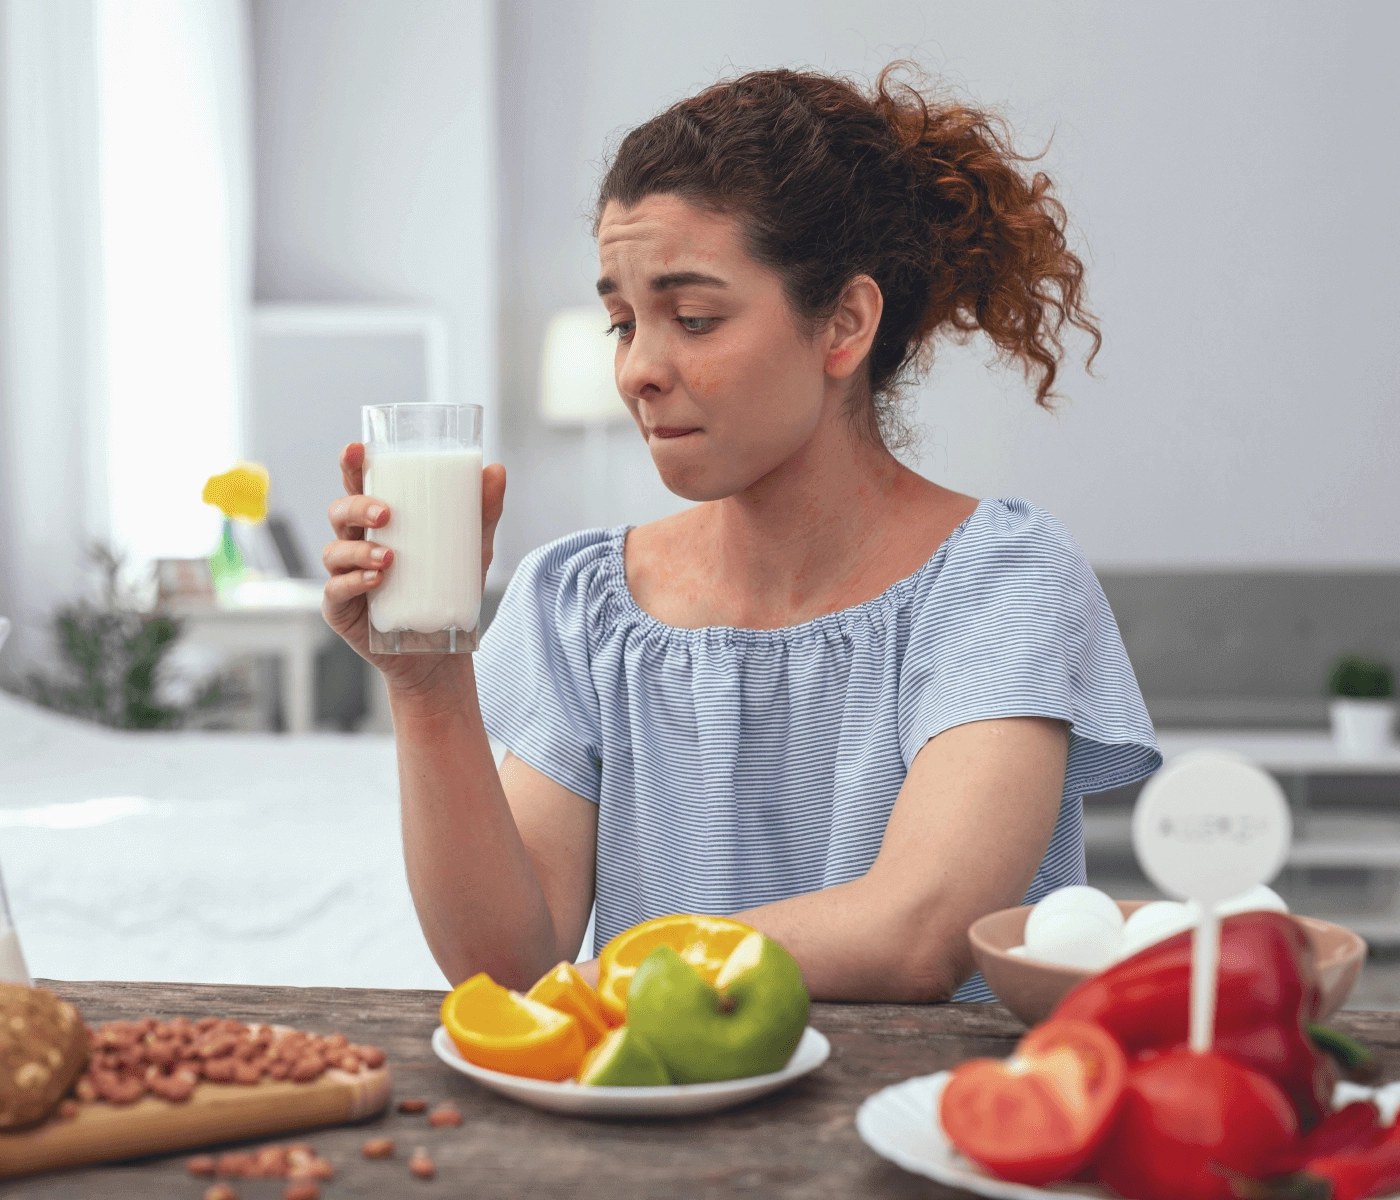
220, 858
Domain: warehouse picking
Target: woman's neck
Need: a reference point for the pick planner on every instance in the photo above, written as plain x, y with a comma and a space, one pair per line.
834, 526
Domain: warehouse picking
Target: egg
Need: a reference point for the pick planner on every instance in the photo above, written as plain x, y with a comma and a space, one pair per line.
1077, 900
1258, 899
1076, 938
1154, 923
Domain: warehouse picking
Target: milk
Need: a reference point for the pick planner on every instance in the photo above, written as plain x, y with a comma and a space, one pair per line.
434, 530
12, 966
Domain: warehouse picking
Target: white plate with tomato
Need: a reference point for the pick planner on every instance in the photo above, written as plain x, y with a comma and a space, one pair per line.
669, 1100
901, 1123
1066, 1108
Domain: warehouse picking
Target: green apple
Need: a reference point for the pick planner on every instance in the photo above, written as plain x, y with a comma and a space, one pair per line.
623, 1059
748, 1023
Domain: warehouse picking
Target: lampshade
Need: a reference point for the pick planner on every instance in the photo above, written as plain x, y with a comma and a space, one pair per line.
576, 376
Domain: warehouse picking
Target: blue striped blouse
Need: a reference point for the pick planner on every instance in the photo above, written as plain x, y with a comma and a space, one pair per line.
736, 767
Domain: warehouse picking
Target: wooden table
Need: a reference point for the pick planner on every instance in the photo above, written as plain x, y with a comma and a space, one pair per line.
801, 1142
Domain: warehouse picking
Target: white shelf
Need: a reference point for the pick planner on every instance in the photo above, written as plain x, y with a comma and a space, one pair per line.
1284, 753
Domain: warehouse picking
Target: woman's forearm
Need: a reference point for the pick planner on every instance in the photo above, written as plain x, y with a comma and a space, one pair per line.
478, 896
853, 944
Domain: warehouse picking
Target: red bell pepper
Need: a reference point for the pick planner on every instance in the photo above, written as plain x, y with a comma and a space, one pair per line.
1351, 1155
1267, 996
1190, 1124
1041, 1114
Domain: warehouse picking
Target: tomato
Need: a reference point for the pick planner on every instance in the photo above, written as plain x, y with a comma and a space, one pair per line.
1190, 1122
1039, 1115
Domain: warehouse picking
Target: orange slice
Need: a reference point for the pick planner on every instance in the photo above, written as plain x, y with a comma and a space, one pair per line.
703, 942
564, 989
505, 1031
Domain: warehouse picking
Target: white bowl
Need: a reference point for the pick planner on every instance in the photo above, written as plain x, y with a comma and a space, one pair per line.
672, 1100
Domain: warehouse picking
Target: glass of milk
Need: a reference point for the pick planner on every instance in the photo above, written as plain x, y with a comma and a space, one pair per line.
424, 462
12, 966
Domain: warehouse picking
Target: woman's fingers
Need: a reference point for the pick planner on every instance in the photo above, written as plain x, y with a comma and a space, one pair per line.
352, 468
352, 555
493, 501
351, 585
352, 515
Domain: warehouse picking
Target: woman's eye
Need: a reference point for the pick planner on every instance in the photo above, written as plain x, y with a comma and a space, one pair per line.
623, 329
697, 324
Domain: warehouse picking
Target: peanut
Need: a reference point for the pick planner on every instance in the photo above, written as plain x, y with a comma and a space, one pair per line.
220, 1191
445, 1116
381, 1147
270, 1160
246, 1073
200, 1164
219, 1070
421, 1165
412, 1105
305, 1189
233, 1165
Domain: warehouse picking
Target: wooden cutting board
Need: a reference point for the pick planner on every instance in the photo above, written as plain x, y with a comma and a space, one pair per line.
216, 1112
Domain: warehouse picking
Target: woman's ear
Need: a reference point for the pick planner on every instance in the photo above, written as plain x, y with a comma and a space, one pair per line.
851, 330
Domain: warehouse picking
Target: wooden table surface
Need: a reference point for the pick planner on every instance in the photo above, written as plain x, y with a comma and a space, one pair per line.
801, 1142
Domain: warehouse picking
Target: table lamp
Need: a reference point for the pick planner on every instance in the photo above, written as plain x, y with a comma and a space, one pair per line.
578, 390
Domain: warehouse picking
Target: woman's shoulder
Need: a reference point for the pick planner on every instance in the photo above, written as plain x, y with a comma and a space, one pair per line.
568, 576
1012, 539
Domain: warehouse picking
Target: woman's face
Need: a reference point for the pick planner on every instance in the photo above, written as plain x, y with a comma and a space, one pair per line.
722, 382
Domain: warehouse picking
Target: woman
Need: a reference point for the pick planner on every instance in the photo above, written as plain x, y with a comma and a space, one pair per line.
849, 706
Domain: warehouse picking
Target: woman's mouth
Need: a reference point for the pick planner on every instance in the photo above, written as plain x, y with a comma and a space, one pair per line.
673, 431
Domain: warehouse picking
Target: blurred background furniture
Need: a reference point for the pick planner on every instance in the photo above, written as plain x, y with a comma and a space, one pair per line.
578, 389
1237, 661
278, 618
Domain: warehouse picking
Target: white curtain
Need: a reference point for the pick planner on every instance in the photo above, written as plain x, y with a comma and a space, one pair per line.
124, 284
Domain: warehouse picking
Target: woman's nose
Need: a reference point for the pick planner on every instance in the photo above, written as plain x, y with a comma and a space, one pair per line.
642, 368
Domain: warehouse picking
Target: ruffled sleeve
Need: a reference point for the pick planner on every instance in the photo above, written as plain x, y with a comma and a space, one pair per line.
1016, 625
533, 666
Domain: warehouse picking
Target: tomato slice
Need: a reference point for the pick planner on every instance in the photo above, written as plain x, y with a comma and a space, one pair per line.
1039, 1115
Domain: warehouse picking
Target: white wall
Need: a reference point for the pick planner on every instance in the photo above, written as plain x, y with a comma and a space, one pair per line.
1232, 169
375, 150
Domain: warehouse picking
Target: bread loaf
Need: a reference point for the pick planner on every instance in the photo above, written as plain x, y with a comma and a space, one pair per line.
43, 1046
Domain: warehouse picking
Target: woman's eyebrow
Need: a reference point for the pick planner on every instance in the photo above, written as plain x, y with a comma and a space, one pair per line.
662, 283
686, 279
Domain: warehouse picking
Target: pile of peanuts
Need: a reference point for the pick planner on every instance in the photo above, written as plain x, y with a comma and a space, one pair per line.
303, 1167
297, 1162
168, 1058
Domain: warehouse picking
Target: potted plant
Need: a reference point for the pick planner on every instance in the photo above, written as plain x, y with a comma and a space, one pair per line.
1363, 704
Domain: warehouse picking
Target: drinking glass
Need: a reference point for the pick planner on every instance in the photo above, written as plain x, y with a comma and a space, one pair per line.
12, 965
424, 462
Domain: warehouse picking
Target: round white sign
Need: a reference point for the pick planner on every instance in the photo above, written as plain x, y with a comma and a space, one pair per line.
1210, 826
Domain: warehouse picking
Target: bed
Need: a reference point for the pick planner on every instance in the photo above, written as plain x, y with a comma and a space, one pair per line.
219, 858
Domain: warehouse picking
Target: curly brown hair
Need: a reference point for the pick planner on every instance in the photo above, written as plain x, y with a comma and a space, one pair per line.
923, 195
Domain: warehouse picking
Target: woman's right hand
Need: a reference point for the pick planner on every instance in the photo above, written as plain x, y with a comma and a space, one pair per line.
357, 566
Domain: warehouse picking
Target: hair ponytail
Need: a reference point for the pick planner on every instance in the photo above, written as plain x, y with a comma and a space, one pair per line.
1000, 260
926, 198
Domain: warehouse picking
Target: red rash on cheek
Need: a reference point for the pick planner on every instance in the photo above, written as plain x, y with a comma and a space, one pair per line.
703, 380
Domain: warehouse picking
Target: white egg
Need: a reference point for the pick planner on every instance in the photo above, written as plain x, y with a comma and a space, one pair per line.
1073, 939
1154, 923
1258, 899
1075, 900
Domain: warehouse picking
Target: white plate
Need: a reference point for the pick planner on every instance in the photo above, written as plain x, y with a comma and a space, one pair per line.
674, 1100
901, 1124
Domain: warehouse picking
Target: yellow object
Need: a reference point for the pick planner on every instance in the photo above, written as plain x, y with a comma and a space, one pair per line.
241, 492
564, 989
505, 1031
703, 942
